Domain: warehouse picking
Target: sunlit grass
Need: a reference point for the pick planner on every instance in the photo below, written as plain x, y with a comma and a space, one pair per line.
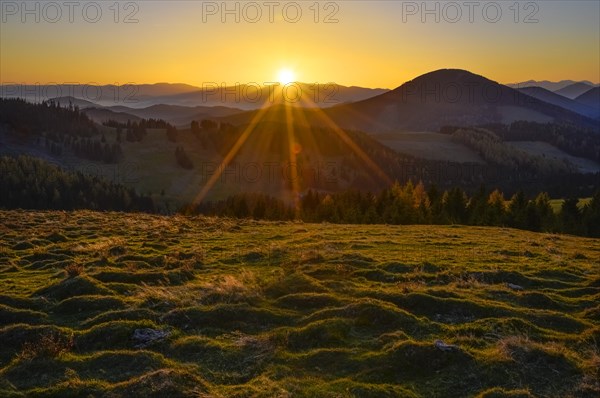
258, 309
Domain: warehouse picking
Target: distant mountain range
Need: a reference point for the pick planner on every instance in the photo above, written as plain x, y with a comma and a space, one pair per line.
242, 96
548, 85
250, 96
584, 92
177, 115
583, 107
590, 98
133, 95
443, 97
574, 90
382, 135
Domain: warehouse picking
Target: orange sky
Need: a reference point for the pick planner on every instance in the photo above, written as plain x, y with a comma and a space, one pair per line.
372, 44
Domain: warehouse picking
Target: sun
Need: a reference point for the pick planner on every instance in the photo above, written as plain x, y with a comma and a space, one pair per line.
286, 76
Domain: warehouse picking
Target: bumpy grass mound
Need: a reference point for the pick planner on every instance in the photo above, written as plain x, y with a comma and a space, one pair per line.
115, 305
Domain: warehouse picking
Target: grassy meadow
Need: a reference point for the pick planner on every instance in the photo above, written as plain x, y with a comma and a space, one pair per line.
124, 305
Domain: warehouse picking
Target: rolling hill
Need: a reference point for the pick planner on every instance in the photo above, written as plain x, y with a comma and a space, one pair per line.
176, 114
548, 85
134, 95
253, 96
68, 100
574, 90
443, 97
101, 115
581, 107
590, 98
180, 116
244, 96
282, 135
268, 151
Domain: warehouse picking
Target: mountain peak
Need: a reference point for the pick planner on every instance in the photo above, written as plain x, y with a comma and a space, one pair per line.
451, 97
451, 75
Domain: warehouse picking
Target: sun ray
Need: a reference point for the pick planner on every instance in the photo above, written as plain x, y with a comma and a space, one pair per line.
348, 141
292, 116
309, 138
293, 166
300, 115
231, 154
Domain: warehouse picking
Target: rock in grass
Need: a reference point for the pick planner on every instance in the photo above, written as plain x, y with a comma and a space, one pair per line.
440, 345
147, 337
515, 287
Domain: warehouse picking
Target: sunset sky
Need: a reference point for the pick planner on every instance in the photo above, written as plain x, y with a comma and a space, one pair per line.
373, 44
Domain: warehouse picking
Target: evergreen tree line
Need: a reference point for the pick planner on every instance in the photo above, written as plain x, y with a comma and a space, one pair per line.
202, 130
246, 205
85, 148
99, 151
29, 119
496, 151
143, 123
31, 183
574, 140
135, 131
203, 125
61, 127
414, 204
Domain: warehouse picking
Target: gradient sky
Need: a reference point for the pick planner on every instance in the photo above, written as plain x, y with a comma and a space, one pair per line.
371, 45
